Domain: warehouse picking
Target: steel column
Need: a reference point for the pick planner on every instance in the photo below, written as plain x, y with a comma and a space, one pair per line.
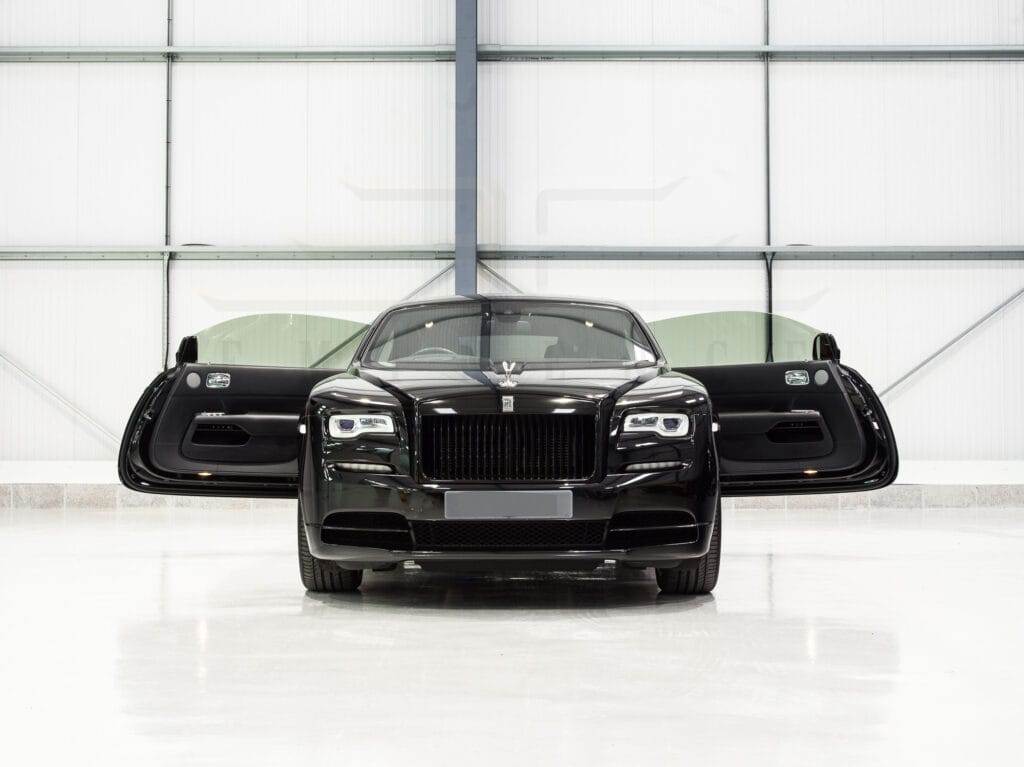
165, 309
769, 297
767, 132
165, 281
465, 147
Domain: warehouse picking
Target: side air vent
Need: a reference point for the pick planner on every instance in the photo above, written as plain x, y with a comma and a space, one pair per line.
653, 527
226, 434
789, 432
376, 529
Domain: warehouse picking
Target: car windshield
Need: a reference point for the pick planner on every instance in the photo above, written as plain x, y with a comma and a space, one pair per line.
475, 334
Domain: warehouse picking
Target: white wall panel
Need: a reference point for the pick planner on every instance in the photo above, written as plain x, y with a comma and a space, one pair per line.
314, 22
620, 22
895, 22
898, 153
83, 22
323, 153
81, 154
609, 153
888, 316
657, 290
91, 331
204, 293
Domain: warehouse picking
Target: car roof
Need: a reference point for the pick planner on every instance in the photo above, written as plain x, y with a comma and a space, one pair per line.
479, 297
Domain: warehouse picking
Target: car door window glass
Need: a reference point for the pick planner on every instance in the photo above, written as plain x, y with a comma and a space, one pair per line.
731, 338
281, 340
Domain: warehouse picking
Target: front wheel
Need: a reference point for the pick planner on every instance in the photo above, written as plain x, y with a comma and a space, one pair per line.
697, 576
322, 575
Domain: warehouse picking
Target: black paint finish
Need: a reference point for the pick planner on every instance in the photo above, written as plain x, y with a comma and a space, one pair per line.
828, 435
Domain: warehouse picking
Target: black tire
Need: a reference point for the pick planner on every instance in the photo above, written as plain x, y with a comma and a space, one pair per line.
697, 576
322, 575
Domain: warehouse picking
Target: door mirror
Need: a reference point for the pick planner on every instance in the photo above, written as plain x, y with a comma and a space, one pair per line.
825, 347
188, 351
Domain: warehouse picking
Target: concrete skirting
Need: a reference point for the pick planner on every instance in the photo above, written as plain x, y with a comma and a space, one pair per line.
114, 497
117, 497
896, 497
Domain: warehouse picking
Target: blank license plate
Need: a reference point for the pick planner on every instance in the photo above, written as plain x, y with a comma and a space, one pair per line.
508, 504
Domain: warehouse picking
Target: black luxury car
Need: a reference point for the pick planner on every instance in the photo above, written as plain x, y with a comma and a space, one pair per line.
509, 432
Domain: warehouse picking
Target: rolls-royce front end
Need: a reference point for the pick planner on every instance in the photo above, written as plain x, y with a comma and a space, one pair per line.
449, 478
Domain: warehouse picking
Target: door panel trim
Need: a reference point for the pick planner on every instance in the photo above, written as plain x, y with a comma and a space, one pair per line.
267, 403
242, 438
864, 456
758, 434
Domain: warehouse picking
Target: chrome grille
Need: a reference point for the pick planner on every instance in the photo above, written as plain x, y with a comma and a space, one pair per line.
520, 447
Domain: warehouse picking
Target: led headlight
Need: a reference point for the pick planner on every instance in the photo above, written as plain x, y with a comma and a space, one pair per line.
664, 424
352, 425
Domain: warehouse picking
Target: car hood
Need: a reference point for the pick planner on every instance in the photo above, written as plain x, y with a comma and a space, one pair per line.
414, 386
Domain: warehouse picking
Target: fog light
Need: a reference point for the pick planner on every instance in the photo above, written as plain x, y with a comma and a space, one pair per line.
368, 468
654, 466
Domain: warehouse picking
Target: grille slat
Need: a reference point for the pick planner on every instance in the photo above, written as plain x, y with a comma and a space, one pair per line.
519, 447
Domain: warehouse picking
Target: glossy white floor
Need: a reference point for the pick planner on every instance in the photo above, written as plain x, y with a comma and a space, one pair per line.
182, 636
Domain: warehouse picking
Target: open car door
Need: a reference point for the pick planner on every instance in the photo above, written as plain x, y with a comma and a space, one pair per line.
787, 428
212, 429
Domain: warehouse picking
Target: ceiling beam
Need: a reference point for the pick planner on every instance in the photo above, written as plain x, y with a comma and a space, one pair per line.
746, 52
494, 252
506, 52
465, 147
223, 53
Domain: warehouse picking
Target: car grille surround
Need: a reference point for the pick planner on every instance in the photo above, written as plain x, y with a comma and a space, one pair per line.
508, 447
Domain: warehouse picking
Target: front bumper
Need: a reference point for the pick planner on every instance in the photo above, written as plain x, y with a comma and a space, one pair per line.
691, 489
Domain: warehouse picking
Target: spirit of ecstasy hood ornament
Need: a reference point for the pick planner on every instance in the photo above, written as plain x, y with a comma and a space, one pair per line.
509, 369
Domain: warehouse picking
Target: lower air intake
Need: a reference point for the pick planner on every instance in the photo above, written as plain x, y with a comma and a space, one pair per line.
375, 529
517, 535
652, 527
